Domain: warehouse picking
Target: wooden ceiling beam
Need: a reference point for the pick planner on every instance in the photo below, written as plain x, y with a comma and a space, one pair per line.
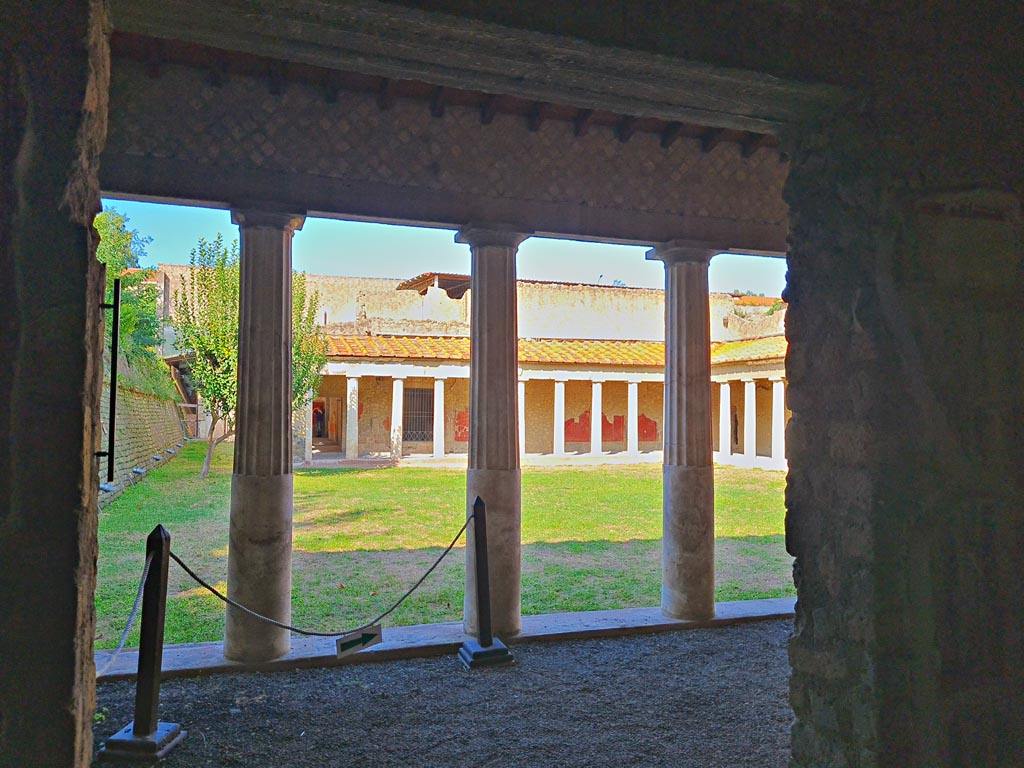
671, 132
437, 101
711, 138
581, 123
488, 109
626, 128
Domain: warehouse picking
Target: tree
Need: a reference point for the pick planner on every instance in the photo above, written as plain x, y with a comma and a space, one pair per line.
206, 326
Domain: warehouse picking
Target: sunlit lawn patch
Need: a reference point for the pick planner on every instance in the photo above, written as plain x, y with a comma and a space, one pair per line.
591, 540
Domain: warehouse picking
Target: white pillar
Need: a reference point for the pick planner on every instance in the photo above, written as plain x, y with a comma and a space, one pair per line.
260, 528
438, 418
633, 417
724, 422
397, 405
493, 472
779, 423
688, 540
559, 426
749, 421
522, 418
351, 417
596, 412
308, 413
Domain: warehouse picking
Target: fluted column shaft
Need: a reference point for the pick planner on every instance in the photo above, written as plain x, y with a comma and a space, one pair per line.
493, 472
259, 554
688, 517
352, 417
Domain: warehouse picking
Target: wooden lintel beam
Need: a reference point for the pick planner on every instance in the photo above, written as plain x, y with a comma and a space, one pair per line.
276, 82
581, 123
437, 102
488, 109
386, 94
626, 128
536, 116
753, 142
711, 138
670, 134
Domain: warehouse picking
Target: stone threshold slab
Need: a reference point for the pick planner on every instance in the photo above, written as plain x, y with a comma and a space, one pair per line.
422, 640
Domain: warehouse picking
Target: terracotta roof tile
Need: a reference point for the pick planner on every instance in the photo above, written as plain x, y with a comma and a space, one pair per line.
606, 352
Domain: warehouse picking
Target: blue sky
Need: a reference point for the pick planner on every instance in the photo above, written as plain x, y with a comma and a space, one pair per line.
332, 247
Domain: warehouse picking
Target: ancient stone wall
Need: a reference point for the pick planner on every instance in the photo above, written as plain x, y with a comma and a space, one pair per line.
147, 426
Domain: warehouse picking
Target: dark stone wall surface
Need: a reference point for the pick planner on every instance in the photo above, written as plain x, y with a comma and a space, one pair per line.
904, 500
53, 87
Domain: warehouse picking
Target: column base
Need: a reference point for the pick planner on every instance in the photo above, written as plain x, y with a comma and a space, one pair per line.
125, 747
259, 566
501, 492
688, 544
473, 655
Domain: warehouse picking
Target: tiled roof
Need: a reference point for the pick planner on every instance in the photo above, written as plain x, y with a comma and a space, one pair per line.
644, 354
756, 301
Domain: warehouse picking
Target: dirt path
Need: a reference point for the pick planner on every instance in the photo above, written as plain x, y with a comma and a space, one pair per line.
698, 698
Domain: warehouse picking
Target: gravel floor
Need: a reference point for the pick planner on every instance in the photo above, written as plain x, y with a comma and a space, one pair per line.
693, 698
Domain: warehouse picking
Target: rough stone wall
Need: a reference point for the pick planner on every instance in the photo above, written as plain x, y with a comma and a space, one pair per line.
905, 489
146, 426
53, 68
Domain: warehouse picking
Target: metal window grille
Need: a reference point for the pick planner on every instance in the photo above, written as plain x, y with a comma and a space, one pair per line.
418, 415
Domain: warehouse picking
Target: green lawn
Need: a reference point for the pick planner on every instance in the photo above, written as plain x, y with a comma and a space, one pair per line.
591, 540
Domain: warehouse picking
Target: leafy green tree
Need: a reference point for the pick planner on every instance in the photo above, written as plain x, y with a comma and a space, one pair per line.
206, 326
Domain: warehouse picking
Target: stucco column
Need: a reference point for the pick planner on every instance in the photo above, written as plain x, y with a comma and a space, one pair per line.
522, 417
352, 417
749, 421
596, 410
438, 418
308, 415
778, 422
493, 472
632, 417
397, 406
260, 545
688, 517
724, 422
559, 426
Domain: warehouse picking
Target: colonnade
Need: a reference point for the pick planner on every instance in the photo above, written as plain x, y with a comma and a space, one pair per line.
261, 503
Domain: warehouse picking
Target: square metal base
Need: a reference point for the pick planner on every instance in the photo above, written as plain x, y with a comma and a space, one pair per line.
473, 655
125, 747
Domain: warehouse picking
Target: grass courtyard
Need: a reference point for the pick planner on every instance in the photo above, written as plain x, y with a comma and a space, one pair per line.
591, 540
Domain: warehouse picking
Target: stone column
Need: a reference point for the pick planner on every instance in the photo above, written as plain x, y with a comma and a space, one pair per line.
778, 422
493, 472
633, 417
688, 543
724, 422
260, 547
352, 417
749, 421
559, 426
439, 418
308, 415
596, 410
522, 417
397, 407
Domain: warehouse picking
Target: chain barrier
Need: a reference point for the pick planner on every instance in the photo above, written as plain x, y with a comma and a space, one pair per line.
308, 632
131, 617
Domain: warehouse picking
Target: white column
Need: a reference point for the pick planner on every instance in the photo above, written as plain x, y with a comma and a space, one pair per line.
596, 412
439, 418
260, 528
559, 426
522, 418
633, 417
749, 421
351, 417
308, 412
688, 540
493, 472
779, 423
724, 422
397, 406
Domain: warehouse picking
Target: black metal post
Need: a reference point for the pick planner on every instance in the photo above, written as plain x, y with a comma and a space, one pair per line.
486, 650
115, 329
146, 738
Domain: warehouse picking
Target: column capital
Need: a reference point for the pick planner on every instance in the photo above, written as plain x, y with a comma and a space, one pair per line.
266, 216
683, 251
495, 234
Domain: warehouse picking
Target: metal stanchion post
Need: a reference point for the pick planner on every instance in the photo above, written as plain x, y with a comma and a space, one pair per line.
486, 650
146, 739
